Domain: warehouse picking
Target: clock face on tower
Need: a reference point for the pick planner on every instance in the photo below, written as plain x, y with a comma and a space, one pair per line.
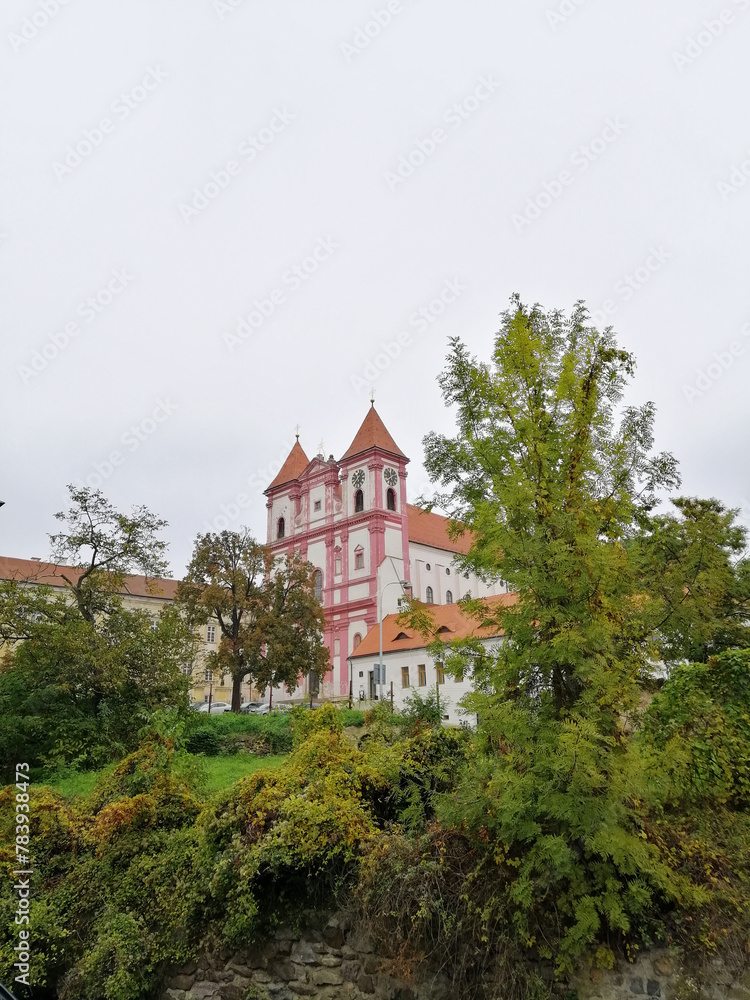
390, 476
358, 479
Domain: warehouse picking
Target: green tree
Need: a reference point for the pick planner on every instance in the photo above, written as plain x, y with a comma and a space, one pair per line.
694, 569
269, 621
81, 670
551, 485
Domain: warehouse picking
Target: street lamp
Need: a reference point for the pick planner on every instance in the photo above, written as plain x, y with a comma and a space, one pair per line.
405, 585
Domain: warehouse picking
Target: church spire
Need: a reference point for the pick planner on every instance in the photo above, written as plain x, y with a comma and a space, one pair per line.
295, 464
372, 434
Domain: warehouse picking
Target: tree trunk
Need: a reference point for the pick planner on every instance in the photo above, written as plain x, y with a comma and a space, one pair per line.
236, 692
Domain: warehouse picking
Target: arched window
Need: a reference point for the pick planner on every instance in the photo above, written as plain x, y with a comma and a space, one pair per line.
357, 639
390, 499
318, 579
449, 597
359, 501
359, 557
280, 528
428, 597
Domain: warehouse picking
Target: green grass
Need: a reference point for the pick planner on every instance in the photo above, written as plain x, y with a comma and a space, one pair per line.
221, 772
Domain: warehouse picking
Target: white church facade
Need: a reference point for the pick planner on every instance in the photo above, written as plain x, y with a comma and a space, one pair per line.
350, 518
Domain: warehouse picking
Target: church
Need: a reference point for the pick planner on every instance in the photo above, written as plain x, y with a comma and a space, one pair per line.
350, 518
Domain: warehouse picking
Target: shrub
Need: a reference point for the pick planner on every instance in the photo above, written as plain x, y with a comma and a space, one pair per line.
701, 717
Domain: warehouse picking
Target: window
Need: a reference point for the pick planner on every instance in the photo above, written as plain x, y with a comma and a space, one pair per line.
447, 571
317, 505
210, 633
404, 677
466, 576
318, 579
390, 499
427, 567
429, 599
280, 527
187, 669
359, 558
359, 501
439, 675
449, 597
357, 640
208, 676
422, 675
337, 561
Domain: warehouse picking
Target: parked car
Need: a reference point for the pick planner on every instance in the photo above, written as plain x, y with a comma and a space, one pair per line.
217, 707
250, 707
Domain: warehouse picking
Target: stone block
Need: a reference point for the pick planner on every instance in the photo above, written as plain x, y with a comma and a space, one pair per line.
330, 961
365, 983
189, 968
326, 977
333, 933
283, 970
350, 971
285, 934
738, 993
303, 989
348, 952
636, 984
261, 977
361, 943
663, 966
180, 982
173, 995
302, 954
204, 989
371, 964
653, 988
231, 991
596, 975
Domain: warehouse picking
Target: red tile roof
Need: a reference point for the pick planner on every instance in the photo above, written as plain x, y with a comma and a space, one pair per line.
432, 529
295, 464
31, 571
451, 617
372, 434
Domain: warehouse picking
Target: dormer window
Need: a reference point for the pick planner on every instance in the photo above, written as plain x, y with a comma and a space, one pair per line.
280, 528
390, 499
359, 501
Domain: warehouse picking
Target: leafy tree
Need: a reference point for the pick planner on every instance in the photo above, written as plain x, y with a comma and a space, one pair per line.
269, 620
103, 546
551, 485
82, 671
698, 580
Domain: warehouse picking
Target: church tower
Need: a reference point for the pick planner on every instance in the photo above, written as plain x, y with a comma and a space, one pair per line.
349, 519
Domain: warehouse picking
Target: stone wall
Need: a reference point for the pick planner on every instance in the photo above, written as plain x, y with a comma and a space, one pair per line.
332, 961
327, 962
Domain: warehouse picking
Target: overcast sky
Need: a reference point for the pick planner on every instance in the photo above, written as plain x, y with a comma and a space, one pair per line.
324, 171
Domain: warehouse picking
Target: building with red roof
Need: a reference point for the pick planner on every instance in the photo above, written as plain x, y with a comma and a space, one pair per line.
351, 519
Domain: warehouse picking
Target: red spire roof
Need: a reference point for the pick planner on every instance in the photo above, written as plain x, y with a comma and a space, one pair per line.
372, 434
295, 464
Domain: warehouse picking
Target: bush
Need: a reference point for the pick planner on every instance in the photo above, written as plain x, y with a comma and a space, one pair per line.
700, 720
275, 729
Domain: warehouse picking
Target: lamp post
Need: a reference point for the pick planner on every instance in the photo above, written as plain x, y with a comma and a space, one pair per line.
405, 585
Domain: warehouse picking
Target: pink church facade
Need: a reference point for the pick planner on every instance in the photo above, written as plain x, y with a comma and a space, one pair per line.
350, 518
